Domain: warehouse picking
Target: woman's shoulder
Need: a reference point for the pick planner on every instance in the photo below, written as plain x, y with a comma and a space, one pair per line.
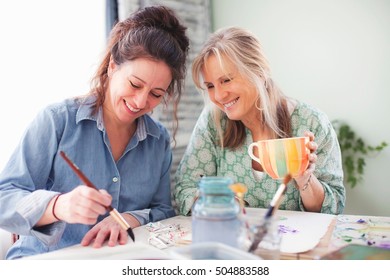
308, 117
304, 108
66, 105
307, 112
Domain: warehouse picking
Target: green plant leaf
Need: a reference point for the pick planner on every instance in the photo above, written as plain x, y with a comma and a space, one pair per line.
360, 165
353, 151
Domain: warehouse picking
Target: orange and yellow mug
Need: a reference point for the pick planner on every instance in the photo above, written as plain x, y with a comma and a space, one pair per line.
280, 157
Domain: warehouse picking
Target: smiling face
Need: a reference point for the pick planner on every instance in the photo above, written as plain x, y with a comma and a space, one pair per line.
135, 88
229, 90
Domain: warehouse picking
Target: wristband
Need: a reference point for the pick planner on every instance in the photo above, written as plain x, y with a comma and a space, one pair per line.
54, 206
307, 184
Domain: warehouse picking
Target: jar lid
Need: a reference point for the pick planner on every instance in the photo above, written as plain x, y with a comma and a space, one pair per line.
215, 185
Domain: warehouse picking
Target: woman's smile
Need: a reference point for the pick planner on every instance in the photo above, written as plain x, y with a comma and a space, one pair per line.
131, 108
231, 103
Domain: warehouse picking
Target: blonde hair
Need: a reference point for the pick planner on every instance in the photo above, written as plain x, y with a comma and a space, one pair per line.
244, 51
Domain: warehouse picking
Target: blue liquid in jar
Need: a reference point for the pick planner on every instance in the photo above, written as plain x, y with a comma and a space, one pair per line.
224, 231
215, 215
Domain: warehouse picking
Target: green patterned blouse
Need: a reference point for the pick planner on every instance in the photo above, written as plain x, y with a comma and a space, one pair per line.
204, 157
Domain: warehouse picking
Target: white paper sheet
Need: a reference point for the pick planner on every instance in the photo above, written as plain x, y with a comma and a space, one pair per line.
302, 230
130, 251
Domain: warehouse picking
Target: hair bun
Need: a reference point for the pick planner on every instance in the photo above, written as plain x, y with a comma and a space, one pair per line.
163, 18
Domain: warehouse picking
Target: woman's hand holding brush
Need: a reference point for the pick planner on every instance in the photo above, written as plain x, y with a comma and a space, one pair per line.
101, 232
109, 230
81, 205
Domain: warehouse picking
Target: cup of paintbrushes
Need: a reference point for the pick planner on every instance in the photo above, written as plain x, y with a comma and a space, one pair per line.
265, 236
268, 247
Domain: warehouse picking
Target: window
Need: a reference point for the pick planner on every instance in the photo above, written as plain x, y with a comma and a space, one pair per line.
49, 52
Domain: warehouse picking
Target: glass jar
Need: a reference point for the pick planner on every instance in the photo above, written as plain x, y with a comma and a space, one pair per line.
215, 214
269, 247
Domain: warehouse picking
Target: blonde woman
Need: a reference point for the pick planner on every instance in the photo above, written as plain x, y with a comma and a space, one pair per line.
247, 106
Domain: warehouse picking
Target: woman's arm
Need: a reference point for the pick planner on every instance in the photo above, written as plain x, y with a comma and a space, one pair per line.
325, 192
23, 194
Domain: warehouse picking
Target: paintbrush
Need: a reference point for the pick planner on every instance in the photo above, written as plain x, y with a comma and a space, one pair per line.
239, 190
113, 212
274, 205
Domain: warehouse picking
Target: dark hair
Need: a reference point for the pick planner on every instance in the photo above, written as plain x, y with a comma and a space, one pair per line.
153, 32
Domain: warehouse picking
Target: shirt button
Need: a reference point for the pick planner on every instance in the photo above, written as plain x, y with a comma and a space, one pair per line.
115, 179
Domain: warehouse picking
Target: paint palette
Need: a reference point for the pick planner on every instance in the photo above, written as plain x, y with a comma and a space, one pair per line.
358, 252
369, 231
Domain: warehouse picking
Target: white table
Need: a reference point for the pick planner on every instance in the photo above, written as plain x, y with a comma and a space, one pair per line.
142, 250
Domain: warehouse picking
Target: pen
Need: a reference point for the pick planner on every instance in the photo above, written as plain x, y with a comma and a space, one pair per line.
113, 212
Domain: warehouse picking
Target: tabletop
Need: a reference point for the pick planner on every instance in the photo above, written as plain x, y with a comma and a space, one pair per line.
306, 236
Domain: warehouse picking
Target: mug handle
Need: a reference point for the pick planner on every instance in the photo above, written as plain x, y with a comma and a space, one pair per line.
250, 152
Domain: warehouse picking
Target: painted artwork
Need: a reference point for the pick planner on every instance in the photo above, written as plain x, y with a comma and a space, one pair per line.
370, 231
359, 252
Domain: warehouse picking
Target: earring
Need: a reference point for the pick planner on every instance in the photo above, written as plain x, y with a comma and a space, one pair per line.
257, 104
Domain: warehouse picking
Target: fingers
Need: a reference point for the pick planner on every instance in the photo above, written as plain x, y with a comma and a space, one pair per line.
105, 193
89, 236
310, 135
313, 158
310, 169
101, 197
123, 237
311, 145
106, 230
105, 233
118, 235
83, 205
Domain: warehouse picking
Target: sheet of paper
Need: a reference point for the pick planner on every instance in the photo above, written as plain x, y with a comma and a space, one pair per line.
301, 231
305, 230
130, 251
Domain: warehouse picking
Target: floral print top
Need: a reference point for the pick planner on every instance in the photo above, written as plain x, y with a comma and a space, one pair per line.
204, 156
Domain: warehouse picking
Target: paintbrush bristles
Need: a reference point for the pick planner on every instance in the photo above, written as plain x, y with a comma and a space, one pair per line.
279, 198
239, 190
287, 179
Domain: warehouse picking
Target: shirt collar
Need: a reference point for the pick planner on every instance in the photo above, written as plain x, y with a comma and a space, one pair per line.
146, 125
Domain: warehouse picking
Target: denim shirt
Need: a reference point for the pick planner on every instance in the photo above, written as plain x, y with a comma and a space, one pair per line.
139, 182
